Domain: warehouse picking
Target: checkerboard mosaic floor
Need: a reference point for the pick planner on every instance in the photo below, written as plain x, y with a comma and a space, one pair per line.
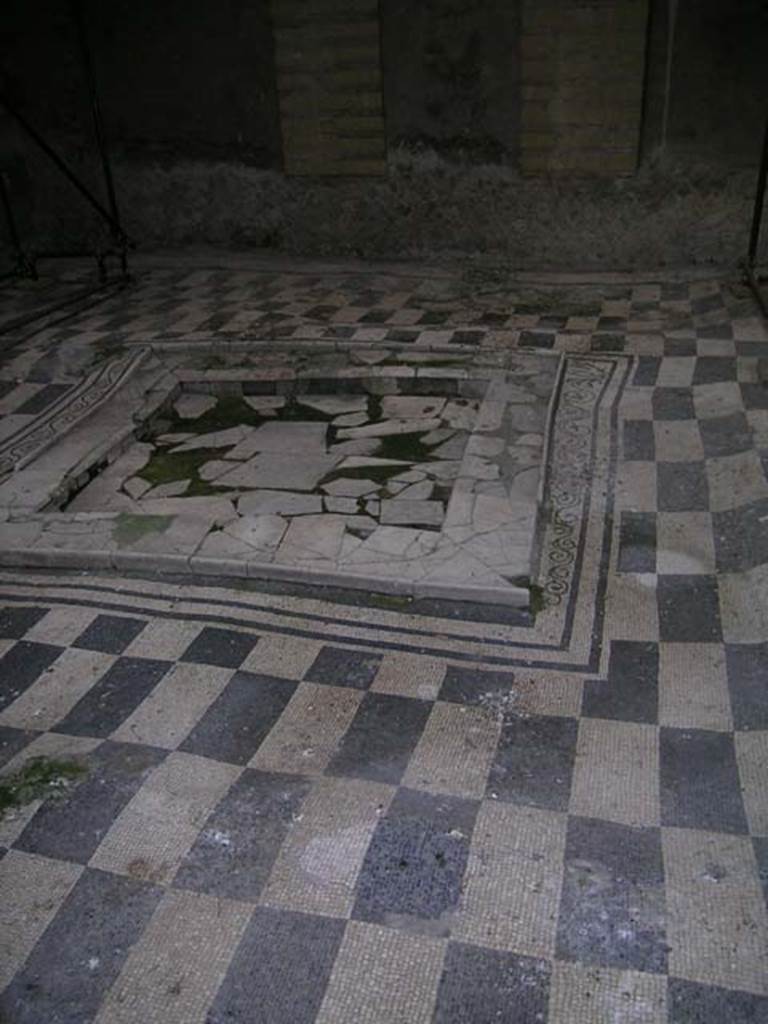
298, 807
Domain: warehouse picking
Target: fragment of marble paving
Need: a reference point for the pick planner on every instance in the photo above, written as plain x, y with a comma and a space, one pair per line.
214, 469
365, 446
525, 484
373, 507
461, 414
462, 567
283, 436
262, 533
103, 492
334, 405
370, 356
265, 405
521, 457
394, 543
361, 461
286, 503
312, 538
489, 447
178, 533
388, 428
358, 523
344, 506
280, 472
349, 544
134, 487
219, 544
451, 449
528, 418
502, 551
350, 487
491, 416
395, 512
411, 407
212, 508
410, 476
517, 394
531, 440
217, 438
190, 406
173, 489
443, 470
178, 438
436, 436
479, 469
351, 419
416, 492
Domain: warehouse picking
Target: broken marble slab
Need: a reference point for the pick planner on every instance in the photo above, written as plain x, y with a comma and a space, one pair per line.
388, 428
442, 470
392, 545
218, 438
396, 512
365, 446
178, 438
436, 436
261, 533
461, 414
343, 506
350, 487
411, 407
212, 470
352, 419
173, 489
135, 486
280, 472
489, 447
334, 405
216, 510
265, 405
190, 406
416, 492
283, 436
312, 538
452, 448
285, 503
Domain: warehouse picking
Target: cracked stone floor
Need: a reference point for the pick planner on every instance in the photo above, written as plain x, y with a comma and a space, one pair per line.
255, 801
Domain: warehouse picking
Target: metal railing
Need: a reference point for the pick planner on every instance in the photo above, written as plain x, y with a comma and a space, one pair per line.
26, 261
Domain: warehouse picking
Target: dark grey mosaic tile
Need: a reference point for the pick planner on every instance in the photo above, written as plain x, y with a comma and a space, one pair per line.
12, 741
741, 537
110, 634
414, 867
44, 398
726, 435
612, 908
16, 620
747, 666
479, 985
646, 371
754, 396
713, 369
114, 697
223, 647
637, 542
682, 487
689, 609
234, 853
280, 970
673, 404
680, 346
608, 342
631, 691
21, 665
639, 441
534, 760
381, 738
236, 724
536, 339
760, 846
707, 303
340, 666
689, 1002
81, 953
474, 686
699, 781
72, 826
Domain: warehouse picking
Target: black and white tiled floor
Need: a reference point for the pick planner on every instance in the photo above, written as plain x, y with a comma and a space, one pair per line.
292, 813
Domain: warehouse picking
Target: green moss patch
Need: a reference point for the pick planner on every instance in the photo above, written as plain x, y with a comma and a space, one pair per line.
130, 528
39, 779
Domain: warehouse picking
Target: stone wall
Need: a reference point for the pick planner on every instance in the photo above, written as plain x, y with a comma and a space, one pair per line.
582, 85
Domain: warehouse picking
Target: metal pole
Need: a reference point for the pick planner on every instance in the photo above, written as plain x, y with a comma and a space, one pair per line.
98, 129
757, 216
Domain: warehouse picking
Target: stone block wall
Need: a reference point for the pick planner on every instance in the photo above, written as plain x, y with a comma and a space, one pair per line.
582, 71
327, 55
